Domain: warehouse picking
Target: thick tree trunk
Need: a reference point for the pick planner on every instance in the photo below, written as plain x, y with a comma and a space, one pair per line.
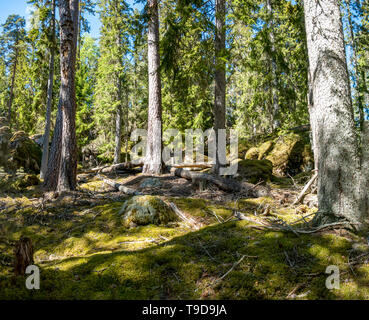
220, 77
339, 165
45, 146
68, 46
153, 160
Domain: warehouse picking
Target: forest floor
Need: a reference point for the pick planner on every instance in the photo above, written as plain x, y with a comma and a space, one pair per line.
85, 252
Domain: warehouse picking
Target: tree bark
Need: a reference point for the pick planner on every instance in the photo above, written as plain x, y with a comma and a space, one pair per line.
339, 165
220, 77
68, 46
45, 146
153, 160
11, 95
118, 125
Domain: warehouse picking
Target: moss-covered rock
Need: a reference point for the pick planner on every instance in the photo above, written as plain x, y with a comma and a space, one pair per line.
4, 145
252, 154
255, 170
287, 154
25, 152
27, 180
143, 210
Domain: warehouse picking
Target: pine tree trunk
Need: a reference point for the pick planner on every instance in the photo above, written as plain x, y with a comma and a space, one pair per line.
274, 86
45, 147
68, 47
220, 77
53, 164
118, 128
339, 164
153, 161
11, 95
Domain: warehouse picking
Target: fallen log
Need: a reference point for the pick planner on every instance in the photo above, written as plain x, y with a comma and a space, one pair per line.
119, 186
116, 167
129, 166
223, 183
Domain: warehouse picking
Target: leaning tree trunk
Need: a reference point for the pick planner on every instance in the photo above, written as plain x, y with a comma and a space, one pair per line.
153, 161
45, 146
68, 45
220, 77
340, 184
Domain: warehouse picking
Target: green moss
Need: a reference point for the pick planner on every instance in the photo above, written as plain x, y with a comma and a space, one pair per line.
143, 210
255, 170
86, 253
252, 154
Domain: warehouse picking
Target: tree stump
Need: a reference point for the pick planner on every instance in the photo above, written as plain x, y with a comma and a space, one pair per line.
23, 255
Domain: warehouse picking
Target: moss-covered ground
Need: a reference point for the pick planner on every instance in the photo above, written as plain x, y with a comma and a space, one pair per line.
84, 251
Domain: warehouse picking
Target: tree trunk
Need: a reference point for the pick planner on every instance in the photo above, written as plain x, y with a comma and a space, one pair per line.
11, 95
119, 112
62, 167
274, 87
153, 160
339, 166
220, 77
45, 146
118, 134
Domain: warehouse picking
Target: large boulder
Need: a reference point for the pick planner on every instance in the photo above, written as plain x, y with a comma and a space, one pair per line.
5, 136
254, 171
289, 154
25, 153
143, 210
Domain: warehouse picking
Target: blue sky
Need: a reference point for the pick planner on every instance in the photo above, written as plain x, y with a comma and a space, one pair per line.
8, 7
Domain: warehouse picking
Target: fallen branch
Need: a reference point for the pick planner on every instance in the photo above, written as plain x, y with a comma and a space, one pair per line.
179, 213
119, 186
287, 227
307, 186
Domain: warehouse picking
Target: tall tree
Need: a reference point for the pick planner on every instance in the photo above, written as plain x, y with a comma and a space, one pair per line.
62, 166
45, 148
342, 171
274, 85
112, 77
153, 160
220, 76
68, 48
13, 36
